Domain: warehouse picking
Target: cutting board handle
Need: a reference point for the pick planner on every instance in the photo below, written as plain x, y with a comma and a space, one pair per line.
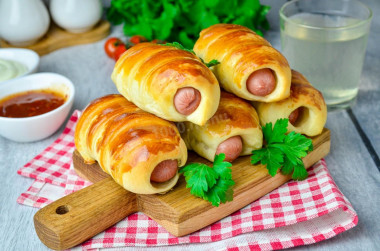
79, 216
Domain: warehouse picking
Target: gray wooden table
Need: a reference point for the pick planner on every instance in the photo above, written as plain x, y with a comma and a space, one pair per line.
353, 161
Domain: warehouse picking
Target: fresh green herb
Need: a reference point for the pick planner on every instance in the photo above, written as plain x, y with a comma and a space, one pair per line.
213, 184
283, 151
212, 63
182, 20
180, 46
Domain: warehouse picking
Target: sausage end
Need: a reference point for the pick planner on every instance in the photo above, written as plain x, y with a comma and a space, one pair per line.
164, 171
293, 117
231, 147
187, 100
261, 82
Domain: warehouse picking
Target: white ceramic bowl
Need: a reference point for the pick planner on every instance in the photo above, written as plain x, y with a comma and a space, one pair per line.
41, 126
27, 57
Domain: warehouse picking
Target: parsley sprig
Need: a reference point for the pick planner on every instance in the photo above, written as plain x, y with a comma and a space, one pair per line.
283, 151
180, 46
213, 184
182, 20
211, 63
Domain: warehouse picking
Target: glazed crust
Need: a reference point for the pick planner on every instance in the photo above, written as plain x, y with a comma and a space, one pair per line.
149, 75
241, 52
302, 94
128, 143
234, 117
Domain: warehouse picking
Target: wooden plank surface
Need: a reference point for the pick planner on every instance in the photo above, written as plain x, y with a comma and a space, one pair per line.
366, 111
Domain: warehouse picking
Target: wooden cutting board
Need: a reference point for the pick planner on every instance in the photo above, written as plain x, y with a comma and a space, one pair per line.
57, 38
79, 216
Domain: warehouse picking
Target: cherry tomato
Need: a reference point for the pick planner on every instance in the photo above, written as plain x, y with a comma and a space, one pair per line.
119, 51
111, 45
138, 39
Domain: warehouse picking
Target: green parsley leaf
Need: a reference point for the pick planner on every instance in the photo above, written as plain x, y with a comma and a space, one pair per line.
213, 184
221, 167
221, 192
271, 157
182, 20
199, 178
299, 172
287, 167
283, 151
179, 46
277, 133
212, 63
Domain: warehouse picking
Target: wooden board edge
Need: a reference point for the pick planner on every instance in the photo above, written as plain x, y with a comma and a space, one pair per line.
83, 170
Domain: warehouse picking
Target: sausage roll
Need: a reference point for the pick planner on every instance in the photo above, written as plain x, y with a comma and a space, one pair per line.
233, 130
249, 66
139, 150
168, 82
305, 108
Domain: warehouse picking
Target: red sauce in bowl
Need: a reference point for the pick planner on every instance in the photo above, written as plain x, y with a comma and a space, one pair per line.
30, 103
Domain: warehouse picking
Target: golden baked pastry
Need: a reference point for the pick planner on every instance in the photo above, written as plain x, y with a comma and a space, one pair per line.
168, 82
249, 66
234, 130
305, 108
129, 143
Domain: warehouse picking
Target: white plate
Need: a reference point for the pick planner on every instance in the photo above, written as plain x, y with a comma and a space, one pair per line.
24, 56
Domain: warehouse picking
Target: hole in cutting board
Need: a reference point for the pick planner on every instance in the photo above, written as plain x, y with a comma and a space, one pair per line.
62, 209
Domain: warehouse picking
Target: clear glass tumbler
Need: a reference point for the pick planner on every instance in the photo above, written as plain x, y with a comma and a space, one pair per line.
326, 41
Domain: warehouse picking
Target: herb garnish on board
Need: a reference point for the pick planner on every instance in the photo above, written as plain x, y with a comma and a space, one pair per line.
283, 151
180, 46
213, 184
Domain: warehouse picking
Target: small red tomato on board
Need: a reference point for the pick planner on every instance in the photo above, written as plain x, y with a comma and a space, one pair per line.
138, 39
111, 45
119, 50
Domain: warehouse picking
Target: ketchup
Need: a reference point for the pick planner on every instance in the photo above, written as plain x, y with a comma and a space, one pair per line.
30, 103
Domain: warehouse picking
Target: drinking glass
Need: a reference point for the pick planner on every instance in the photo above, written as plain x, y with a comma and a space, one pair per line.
326, 41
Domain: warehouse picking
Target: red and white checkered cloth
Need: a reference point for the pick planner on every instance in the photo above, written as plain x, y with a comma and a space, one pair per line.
297, 213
